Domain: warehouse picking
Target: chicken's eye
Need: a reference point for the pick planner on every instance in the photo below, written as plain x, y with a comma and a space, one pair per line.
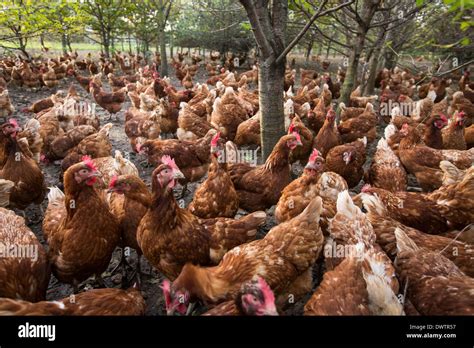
84, 171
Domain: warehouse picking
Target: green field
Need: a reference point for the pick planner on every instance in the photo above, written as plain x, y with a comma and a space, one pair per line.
56, 46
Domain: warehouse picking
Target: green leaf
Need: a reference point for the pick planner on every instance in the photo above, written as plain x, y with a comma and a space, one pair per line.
466, 25
419, 3
246, 26
466, 41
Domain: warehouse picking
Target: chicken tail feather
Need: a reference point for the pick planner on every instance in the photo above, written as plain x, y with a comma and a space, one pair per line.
55, 195
6, 187
452, 174
373, 204
404, 243
313, 210
106, 129
379, 276
345, 205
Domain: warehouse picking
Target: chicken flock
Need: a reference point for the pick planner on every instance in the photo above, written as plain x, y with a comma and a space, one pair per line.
377, 222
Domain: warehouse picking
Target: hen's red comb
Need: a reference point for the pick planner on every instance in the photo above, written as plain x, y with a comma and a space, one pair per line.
314, 155
87, 160
297, 135
266, 290
365, 188
169, 161
215, 139
13, 122
113, 181
291, 129
166, 285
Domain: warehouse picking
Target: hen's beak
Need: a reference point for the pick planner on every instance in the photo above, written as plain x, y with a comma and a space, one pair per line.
95, 174
178, 175
170, 312
270, 311
190, 309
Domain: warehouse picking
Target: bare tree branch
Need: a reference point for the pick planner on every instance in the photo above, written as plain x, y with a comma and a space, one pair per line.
257, 29
317, 14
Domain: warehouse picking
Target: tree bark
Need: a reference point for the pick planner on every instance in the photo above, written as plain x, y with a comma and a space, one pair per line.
64, 42
22, 46
268, 21
309, 48
373, 63
164, 60
272, 122
351, 73
328, 49
389, 55
363, 25
106, 44
68, 40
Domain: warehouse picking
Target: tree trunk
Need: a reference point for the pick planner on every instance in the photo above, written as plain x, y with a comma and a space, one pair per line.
106, 44
64, 42
328, 49
271, 79
309, 48
68, 40
164, 60
146, 48
171, 45
22, 47
269, 28
351, 74
373, 63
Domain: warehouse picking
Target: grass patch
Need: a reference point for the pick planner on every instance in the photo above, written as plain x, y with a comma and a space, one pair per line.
57, 46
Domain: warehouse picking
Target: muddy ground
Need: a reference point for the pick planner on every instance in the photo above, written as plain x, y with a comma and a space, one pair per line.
151, 279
